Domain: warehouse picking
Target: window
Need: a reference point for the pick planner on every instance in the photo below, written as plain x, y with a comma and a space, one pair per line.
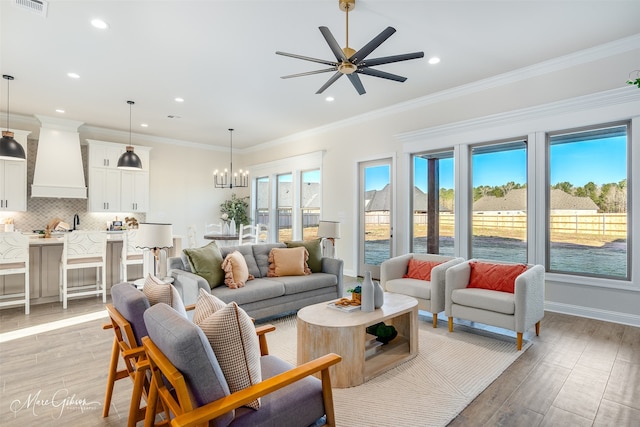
310, 203
433, 203
588, 207
499, 217
284, 207
262, 200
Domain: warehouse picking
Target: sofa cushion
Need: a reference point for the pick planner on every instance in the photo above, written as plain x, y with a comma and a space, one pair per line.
288, 262
500, 302
131, 304
247, 253
261, 254
234, 341
254, 290
236, 270
315, 253
207, 263
420, 270
412, 287
158, 291
297, 284
497, 277
206, 305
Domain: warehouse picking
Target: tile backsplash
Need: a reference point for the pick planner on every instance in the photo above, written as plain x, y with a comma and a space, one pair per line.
40, 211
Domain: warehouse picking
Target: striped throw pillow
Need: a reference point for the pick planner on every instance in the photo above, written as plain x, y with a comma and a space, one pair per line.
206, 305
158, 291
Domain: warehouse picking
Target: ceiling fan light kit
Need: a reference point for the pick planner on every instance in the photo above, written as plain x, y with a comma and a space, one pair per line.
350, 62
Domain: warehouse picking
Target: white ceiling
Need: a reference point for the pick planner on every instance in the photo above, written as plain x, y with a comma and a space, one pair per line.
220, 57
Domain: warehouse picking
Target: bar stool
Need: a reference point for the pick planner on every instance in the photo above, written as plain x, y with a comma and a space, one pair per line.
14, 259
83, 250
131, 255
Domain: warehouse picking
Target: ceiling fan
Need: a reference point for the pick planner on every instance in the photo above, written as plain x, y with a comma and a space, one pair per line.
351, 62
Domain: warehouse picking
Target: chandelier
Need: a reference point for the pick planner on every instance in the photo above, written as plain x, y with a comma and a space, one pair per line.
223, 179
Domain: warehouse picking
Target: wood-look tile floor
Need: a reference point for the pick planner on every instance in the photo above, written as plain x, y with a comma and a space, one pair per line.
578, 372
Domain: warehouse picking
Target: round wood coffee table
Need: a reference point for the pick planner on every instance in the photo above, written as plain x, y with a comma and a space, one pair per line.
322, 329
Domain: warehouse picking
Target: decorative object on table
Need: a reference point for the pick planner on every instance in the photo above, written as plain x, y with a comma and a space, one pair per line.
235, 209
131, 222
225, 229
384, 333
155, 239
356, 293
10, 149
345, 304
329, 231
634, 78
367, 293
8, 225
222, 180
129, 160
378, 295
232, 227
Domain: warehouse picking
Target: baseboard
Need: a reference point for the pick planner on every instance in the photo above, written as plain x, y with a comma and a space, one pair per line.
593, 313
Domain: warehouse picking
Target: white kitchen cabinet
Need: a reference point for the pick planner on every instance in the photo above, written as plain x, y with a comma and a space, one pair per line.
134, 191
112, 189
13, 187
104, 190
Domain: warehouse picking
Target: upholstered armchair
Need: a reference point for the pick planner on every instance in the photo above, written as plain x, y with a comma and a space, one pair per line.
188, 379
518, 309
429, 293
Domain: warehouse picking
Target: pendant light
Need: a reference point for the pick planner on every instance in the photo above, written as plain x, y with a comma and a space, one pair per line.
240, 179
129, 159
10, 149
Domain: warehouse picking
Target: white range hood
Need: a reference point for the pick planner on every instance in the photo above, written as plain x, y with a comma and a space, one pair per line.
59, 172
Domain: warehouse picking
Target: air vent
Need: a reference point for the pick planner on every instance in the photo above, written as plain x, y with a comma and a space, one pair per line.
39, 7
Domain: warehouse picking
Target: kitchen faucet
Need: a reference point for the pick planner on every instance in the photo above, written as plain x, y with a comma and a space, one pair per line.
76, 221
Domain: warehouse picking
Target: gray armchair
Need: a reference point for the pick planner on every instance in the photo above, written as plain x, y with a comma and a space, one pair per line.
517, 311
430, 294
181, 358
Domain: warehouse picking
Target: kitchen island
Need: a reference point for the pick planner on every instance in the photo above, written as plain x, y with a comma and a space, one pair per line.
44, 267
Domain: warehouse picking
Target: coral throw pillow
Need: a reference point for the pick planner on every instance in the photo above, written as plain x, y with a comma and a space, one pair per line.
236, 272
497, 277
288, 262
420, 269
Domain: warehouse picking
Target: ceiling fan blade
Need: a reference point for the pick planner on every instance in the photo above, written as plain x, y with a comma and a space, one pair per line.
306, 58
372, 45
381, 74
309, 73
390, 59
333, 44
355, 81
329, 82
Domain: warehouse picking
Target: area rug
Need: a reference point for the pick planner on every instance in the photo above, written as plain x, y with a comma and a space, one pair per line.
451, 369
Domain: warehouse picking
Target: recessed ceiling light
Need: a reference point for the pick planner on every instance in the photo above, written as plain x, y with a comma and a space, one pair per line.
178, 99
144, 125
434, 60
99, 23
329, 99
59, 110
73, 75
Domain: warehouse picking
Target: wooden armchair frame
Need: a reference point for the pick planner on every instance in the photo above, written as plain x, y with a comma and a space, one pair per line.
179, 403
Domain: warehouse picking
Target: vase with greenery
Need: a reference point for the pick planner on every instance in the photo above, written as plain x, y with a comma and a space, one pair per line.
236, 209
355, 293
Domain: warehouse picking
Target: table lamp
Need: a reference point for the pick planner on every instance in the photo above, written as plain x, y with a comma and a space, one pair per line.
155, 239
329, 231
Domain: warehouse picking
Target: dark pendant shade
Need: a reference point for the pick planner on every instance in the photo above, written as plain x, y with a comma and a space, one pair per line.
10, 149
129, 160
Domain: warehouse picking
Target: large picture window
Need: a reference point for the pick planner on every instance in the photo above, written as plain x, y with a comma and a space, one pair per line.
588, 207
433, 203
284, 208
310, 203
499, 217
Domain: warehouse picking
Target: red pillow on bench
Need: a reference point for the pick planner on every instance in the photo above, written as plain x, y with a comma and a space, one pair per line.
420, 269
497, 277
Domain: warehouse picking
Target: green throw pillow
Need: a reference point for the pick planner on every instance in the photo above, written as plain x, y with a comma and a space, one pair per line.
315, 253
207, 263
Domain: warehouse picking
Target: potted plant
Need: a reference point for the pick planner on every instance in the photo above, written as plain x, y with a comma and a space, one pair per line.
235, 209
356, 293
634, 81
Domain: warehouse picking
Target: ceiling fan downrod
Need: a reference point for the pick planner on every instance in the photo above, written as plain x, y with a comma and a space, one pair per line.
347, 67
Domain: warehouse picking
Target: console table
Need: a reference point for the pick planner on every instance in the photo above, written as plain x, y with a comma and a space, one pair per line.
323, 330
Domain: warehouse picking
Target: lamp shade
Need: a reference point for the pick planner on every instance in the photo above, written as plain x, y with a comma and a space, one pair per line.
329, 229
153, 235
129, 160
10, 149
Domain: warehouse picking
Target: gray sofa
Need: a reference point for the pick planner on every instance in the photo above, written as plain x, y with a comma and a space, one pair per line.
264, 296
